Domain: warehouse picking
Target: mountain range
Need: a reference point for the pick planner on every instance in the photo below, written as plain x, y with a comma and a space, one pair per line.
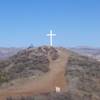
88, 51
7, 52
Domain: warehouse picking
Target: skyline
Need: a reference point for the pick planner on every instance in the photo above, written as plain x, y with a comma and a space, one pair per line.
25, 22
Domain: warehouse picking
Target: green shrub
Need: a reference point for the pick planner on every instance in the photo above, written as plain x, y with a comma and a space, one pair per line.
3, 78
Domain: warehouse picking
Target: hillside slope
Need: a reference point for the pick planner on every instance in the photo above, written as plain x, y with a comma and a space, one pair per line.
26, 63
82, 74
84, 77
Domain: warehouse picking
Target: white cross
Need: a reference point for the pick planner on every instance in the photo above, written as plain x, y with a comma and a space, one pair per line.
51, 35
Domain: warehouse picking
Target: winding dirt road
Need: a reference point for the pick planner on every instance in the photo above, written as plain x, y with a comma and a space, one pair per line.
46, 83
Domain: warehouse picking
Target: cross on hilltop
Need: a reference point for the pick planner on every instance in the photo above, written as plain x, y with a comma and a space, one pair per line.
51, 36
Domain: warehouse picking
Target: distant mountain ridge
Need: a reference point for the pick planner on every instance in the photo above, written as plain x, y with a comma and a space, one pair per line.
88, 51
7, 52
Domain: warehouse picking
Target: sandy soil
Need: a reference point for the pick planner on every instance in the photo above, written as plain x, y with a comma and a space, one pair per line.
46, 83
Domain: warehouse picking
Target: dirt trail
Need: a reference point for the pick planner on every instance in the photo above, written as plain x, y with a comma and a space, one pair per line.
46, 83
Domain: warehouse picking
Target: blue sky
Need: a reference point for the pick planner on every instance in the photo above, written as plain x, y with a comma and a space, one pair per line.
76, 22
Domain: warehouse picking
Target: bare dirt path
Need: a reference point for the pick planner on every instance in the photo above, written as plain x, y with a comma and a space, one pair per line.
47, 83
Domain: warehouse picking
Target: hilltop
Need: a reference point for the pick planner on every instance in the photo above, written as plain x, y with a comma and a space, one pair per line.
81, 78
27, 62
